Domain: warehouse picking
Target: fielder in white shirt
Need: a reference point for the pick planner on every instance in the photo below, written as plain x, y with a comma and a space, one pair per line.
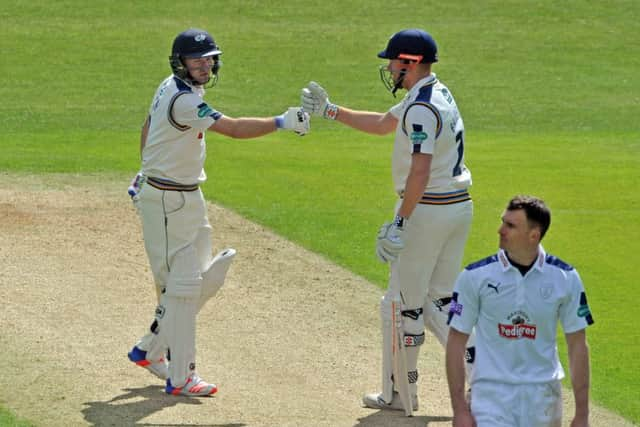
515, 300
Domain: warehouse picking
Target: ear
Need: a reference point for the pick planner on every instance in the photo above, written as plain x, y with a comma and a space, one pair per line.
535, 234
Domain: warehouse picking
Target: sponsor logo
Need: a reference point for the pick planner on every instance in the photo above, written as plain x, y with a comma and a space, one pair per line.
418, 137
455, 308
494, 287
204, 110
517, 331
519, 328
584, 311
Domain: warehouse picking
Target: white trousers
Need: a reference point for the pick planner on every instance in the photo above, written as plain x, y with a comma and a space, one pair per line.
177, 239
516, 405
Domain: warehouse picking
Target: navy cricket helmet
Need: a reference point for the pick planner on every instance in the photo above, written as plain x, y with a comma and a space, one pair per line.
194, 43
413, 45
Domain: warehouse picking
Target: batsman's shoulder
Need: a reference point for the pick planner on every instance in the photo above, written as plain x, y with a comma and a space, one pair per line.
482, 263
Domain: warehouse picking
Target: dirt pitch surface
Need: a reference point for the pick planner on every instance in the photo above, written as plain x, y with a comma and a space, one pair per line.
291, 339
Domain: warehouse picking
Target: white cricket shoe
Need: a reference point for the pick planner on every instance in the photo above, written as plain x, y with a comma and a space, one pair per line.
159, 368
195, 386
375, 401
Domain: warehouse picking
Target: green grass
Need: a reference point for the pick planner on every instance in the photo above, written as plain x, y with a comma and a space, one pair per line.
548, 91
8, 420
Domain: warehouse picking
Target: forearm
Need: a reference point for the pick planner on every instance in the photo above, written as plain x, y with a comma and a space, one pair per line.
416, 184
245, 127
366, 121
144, 132
454, 360
580, 379
580, 375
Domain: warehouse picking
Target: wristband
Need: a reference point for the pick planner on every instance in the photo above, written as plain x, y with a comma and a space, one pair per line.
331, 111
279, 122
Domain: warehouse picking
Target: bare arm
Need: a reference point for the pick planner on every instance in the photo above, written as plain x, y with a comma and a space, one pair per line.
580, 375
367, 121
144, 133
244, 127
416, 183
454, 358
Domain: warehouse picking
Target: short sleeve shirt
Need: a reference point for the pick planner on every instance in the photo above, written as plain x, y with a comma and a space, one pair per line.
516, 317
179, 117
429, 122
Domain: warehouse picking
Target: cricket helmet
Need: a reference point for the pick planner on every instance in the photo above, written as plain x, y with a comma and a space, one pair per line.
194, 43
413, 45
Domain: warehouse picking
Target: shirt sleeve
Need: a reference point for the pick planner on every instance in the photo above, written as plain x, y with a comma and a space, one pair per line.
396, 110
464, 307
190, 110
422, 124
575, 313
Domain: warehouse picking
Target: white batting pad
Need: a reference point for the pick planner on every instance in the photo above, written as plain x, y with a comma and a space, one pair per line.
178, 327
214, 276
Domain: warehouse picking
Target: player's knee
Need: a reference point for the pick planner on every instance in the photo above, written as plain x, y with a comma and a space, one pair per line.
413, 326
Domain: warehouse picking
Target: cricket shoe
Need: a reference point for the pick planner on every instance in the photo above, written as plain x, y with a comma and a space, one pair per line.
159, 368
195, 386
375, 401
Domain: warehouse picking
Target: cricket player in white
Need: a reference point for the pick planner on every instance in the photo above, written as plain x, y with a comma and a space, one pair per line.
166, 192
425, 242
515, 300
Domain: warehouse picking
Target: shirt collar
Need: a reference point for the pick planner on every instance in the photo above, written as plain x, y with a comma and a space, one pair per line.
430, 79
538, 265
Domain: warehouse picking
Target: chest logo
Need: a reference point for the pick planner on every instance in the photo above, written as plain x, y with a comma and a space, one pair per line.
520, 327
546, 291
494, 287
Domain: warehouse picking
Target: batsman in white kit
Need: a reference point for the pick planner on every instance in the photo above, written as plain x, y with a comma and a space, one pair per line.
171, 206
424, 243
515, 300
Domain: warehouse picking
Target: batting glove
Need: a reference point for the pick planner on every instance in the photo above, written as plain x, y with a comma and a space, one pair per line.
315, 100
390, 242
294, 119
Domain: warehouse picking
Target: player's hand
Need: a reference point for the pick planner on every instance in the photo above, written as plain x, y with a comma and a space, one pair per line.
295, 119
315, 100
134, 186
390, 241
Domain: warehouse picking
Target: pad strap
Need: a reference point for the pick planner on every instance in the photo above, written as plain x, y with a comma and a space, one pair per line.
413, 314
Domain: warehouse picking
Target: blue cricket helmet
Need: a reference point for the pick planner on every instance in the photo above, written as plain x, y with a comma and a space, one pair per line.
413, 44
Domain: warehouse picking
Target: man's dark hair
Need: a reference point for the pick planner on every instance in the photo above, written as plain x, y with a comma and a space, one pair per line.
535, 210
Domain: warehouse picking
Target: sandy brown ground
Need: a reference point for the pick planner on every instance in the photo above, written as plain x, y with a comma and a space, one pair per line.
291, 339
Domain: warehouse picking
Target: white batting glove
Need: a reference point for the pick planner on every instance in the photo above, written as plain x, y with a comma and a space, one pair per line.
390, 242
315, 100
295, 119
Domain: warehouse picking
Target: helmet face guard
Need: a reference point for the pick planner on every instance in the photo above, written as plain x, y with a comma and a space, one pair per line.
387, 77
195, 43
411, 46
